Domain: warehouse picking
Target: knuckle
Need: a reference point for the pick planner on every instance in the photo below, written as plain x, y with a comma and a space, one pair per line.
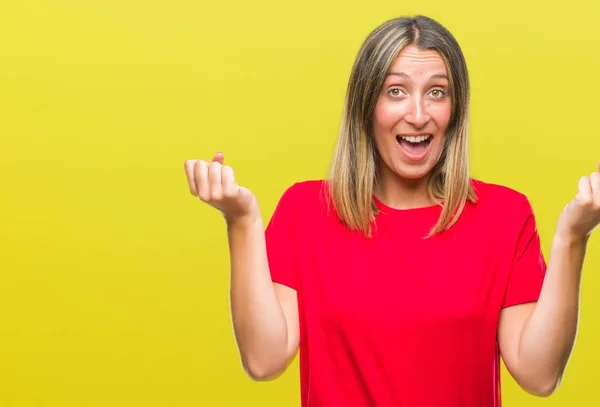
587, 201
216, 193
200, 182
227, 173
199, 166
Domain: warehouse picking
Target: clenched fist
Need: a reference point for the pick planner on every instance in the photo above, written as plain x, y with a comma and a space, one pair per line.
582, 215
215, 184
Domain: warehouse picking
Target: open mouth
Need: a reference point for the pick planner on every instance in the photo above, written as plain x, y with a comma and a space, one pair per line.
414, 145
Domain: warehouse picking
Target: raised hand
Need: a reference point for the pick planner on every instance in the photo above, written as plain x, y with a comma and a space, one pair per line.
214, 183
582, 215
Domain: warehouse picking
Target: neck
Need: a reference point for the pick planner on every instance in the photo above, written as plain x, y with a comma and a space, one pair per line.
402, 193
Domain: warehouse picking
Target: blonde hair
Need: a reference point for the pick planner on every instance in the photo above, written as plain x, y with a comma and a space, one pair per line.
354, 169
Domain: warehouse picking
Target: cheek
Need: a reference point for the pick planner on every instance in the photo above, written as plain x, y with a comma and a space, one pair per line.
386, 115
442, 115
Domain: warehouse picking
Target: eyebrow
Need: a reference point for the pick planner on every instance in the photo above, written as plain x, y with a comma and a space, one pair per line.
404, 75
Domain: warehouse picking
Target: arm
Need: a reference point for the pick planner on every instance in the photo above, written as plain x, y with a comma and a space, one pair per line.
536, 339
264, 314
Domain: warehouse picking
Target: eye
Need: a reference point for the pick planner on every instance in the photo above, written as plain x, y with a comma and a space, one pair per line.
395, 92
438, 93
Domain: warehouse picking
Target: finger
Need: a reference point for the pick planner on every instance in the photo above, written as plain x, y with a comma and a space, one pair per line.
219, 158
201, 179
189, 174
230, 187
584, 195
595, 187
214, 180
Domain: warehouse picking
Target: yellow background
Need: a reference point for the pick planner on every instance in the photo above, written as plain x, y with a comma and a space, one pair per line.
114, 280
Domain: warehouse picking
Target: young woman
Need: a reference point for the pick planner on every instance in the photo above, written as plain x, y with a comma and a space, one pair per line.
402, 280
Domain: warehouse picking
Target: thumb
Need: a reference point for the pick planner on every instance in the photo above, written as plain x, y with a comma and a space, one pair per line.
218, 157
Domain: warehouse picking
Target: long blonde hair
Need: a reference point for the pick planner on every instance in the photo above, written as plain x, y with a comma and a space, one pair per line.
354, 169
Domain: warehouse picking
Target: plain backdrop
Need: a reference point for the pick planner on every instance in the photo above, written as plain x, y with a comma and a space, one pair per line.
114, 279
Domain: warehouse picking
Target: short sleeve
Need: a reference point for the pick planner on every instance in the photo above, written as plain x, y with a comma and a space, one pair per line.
528, 265
280, 240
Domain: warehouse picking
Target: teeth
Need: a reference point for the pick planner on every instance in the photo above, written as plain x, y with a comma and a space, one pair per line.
416, 139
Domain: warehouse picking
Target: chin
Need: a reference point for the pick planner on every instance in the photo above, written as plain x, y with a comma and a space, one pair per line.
413, 174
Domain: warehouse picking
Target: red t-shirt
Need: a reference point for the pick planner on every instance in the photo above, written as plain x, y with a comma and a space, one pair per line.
398, 320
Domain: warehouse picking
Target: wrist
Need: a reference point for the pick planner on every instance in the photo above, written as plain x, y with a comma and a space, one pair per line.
244, 222
565, 239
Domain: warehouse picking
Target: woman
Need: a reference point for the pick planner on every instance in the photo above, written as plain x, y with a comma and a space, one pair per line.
401, 280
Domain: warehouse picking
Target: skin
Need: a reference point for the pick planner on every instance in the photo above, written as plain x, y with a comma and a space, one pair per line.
414, 100
265, 314
535, 339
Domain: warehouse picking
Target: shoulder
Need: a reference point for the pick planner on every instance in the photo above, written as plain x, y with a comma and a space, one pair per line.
305, 192
502, 210
500, 207
305, 198
500, 198
308, 189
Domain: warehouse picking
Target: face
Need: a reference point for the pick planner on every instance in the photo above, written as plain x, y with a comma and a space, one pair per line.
412, 114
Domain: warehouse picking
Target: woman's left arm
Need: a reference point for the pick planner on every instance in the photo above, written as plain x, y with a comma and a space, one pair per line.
536, 339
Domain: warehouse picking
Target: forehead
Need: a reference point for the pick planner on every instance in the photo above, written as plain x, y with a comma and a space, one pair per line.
417, 62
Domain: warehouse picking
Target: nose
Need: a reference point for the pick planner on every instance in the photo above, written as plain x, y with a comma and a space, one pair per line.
417, 113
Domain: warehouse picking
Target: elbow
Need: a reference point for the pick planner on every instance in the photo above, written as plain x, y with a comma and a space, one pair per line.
542, 391
262, 371
259, 374
542, 388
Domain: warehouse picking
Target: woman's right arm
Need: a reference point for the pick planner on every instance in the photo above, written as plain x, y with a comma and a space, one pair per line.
264, 314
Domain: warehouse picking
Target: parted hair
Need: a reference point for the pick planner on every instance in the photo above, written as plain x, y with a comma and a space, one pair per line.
354, 170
